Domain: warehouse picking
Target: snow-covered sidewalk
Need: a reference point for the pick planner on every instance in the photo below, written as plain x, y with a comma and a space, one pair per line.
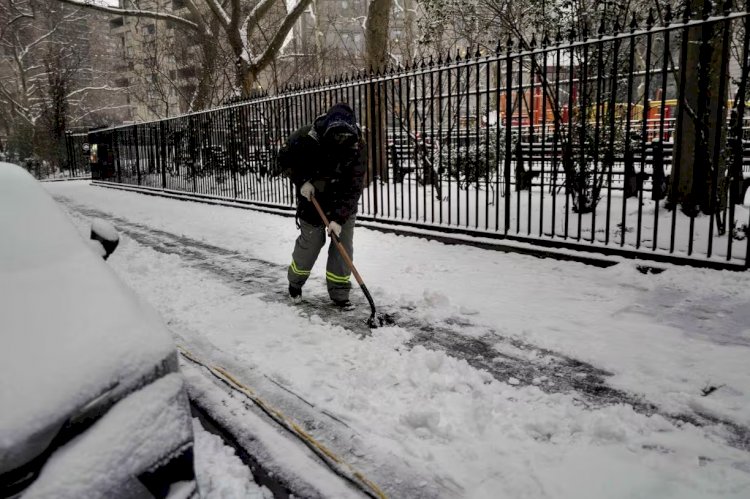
420, 421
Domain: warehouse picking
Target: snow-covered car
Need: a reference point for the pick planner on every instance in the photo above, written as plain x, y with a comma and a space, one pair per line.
91, 400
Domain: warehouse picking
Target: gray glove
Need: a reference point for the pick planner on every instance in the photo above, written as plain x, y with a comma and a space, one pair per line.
335, 228
307, 190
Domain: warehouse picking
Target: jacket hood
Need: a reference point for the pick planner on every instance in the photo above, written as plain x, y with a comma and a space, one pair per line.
340, 116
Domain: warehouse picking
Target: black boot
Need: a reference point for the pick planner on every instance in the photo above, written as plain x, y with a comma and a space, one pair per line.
295, 292
343, 304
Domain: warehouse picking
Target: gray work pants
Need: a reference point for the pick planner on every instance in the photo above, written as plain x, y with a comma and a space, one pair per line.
306, 250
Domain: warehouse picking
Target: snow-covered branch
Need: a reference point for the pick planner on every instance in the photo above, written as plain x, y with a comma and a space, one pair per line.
256, 14
86, 89
281, 34
219, 12
88, 4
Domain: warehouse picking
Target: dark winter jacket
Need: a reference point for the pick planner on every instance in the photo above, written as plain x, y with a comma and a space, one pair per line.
337, 171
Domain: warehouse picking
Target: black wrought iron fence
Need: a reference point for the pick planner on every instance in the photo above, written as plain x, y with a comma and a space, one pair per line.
78, 156
632, 143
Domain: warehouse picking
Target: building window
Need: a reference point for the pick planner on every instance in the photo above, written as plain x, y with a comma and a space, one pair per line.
178, 4
188, 72
116, 22
149, 29
121, 82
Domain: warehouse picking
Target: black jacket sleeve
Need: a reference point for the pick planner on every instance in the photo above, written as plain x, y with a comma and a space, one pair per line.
299, 157
351, 188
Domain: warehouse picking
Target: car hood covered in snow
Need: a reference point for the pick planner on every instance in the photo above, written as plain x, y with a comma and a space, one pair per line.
74, 339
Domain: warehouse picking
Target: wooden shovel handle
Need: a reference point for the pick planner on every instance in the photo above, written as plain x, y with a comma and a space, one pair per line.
342, 250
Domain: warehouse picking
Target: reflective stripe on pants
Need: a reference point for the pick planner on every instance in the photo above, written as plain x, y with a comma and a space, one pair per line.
306, 249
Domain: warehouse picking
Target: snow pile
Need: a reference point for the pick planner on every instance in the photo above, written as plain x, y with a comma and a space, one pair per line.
140, 430
104, 229
219, 472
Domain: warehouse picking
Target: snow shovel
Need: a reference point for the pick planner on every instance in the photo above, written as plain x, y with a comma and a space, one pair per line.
375, 319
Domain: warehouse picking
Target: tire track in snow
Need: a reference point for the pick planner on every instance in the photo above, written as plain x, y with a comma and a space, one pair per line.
506, 359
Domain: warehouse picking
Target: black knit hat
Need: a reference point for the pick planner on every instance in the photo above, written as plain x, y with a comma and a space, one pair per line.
339, 118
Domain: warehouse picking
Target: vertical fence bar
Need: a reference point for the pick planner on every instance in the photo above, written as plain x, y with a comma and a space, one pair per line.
477, 110
719, 136
461, 144
610, 154
498, 125
644, 124
163, 153
628, 167
422, 166
738, 141
557, 131
412, 154
390, 144
440, 138
583, 80
136, 131
400, 145
433, 174
487, 126
508, 130
657, 175
568, 151
116, 141
543, 91
531, 104
467, 180
519, 143
450, 138
595, 191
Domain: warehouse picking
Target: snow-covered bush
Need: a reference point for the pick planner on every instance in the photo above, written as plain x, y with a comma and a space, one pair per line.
475, 161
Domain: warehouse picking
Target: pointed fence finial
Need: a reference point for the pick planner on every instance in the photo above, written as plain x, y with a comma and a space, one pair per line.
617, 28
668, 15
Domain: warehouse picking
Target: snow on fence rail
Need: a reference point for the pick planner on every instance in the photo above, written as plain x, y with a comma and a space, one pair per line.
574, 143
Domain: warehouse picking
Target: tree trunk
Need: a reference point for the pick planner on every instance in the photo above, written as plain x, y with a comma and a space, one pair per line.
701, 124
376, 33
376, 41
